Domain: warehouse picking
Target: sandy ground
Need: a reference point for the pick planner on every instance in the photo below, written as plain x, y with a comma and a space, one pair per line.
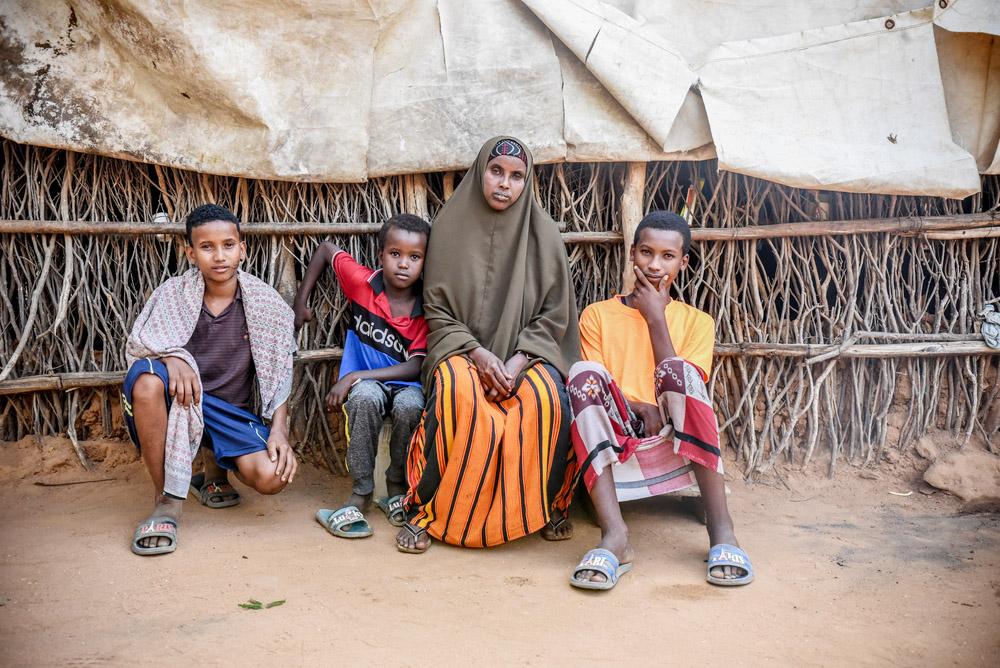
847, 574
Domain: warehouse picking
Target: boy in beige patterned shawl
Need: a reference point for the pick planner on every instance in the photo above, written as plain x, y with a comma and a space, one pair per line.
194, 352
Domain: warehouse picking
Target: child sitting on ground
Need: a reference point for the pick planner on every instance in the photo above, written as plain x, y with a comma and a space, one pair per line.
380, 371
643, 422
194, 352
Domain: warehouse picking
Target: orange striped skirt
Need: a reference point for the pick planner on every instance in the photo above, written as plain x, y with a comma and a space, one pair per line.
483, 473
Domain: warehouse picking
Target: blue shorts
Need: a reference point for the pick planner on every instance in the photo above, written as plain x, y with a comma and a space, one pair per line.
230, 431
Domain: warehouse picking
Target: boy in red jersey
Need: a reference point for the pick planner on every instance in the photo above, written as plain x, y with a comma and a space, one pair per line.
380, 371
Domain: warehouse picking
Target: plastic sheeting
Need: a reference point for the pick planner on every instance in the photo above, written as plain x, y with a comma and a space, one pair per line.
812, 94
856, 106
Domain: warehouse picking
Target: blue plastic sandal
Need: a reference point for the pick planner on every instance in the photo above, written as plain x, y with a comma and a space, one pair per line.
346, 522
603, 561
392, 506
724, 554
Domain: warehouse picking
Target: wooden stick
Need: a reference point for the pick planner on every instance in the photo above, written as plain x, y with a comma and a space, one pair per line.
955, 235
415, 194
917, 336
867, 351
68, 381
449, 185
32, 312
631, 213
929, 227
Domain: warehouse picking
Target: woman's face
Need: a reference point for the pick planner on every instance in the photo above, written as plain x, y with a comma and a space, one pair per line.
503, 181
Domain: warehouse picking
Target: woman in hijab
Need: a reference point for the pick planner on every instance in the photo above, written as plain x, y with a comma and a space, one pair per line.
491, 460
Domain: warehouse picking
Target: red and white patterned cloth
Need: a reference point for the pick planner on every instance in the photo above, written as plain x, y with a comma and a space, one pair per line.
166, 323
606, 433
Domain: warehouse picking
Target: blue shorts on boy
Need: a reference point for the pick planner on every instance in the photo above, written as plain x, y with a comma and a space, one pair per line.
230, 431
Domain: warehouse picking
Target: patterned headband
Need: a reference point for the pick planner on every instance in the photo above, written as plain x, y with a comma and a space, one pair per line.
511, 148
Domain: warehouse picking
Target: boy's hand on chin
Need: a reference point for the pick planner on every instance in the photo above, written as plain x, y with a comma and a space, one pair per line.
185, 386
280, 452
649, 299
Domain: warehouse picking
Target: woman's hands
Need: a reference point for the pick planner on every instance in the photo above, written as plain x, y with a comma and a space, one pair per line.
492, 373
515, 365
496, 375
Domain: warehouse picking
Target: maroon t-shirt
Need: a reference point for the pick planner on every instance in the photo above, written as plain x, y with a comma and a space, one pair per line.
221, 347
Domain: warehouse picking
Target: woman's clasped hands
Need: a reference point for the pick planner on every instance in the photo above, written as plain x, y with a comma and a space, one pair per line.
498, 377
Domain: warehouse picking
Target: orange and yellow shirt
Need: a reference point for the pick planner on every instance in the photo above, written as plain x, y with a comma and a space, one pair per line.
617, 336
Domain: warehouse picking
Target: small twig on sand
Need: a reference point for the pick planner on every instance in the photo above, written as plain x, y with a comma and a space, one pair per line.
42, 483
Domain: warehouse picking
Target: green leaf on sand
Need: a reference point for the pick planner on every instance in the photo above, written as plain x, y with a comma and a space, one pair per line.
254, 604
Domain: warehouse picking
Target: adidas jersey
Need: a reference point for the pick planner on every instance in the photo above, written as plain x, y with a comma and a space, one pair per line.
375, 339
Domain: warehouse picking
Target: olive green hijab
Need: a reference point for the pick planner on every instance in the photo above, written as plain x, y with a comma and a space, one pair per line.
498, 279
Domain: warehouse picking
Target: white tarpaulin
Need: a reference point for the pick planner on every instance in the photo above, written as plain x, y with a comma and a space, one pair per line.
970, 69
857, 107
968, 15
240, 87
794, 103
346, 89
453, 73
969, 49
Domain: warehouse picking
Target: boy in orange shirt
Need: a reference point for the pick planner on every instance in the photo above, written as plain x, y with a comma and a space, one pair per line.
643, 422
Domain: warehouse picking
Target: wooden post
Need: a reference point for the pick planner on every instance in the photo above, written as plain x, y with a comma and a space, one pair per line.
449, 185
631, 212
415, 194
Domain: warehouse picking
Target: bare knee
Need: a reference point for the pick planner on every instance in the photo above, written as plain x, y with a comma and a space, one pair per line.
269, 485
147, 389
260, 475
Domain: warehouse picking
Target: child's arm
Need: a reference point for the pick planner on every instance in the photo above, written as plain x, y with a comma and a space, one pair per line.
317, 265
652, 304
278, 448
408, 370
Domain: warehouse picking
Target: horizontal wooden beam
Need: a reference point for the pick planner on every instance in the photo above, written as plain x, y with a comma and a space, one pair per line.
858, 351
71, 381
957, 235
962, 226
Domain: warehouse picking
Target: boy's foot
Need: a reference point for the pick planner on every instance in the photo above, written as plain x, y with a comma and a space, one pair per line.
395, 488
167, 511
732, 562
619, 545
215, 493
392, 506
360, 501
724, 535
558, 528
412, 539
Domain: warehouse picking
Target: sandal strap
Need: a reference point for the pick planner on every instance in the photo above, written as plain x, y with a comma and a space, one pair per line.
724, 554
600, 560
396, 503
165, 527
346, 515
417, 532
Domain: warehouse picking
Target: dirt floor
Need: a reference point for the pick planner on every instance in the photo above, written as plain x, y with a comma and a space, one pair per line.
847, 574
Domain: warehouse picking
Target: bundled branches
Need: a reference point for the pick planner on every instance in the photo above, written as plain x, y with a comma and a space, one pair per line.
70, 299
